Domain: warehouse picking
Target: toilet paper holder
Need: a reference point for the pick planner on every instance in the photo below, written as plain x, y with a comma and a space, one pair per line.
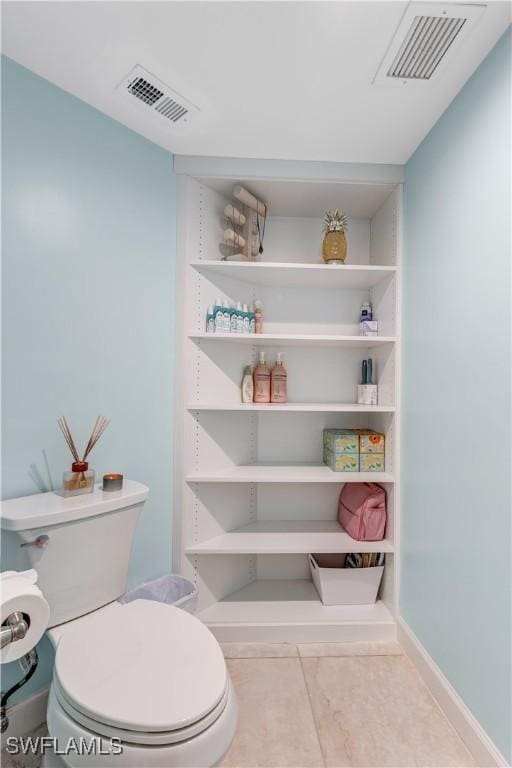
15, 627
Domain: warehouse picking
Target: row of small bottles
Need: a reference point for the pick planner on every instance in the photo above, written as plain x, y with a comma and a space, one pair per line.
264, 385
221, 317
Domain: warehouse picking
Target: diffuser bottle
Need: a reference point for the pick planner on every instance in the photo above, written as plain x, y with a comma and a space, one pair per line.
278, 382
262, 381
79, 480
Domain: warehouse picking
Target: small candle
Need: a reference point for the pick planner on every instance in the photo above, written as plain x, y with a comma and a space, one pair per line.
112, 482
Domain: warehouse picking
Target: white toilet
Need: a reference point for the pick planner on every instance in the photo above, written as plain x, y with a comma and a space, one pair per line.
142, 684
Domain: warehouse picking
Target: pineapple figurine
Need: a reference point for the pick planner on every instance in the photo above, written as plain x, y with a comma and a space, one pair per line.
334, 248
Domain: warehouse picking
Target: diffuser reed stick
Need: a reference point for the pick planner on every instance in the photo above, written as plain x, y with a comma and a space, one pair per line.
68, 437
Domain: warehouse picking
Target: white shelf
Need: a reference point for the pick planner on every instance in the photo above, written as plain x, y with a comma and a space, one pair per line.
293, 275
295, 340
293, 601
293, 407
275, 537
286, 473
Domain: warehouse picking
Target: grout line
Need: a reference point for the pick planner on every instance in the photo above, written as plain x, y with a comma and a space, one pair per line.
324, 656
353, 656
308, 693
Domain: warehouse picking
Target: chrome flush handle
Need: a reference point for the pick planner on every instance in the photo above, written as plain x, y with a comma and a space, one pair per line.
41, 542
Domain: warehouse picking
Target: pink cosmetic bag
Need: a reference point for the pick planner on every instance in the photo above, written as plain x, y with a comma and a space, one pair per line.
362, 511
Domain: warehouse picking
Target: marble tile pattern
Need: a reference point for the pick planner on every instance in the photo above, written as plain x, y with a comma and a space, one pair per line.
369, 705
276, 725
259, 650
330, 705
376, 711
350, 649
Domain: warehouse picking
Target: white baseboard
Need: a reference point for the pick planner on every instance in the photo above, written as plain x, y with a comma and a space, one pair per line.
467, 726
27, 715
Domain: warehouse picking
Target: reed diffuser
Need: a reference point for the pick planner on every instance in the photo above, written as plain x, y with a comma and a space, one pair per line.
80, 479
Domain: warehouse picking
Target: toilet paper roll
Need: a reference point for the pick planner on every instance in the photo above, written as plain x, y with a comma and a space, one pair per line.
19, 592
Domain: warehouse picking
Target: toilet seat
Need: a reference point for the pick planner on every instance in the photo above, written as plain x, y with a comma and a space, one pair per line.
204, 750
145, 672
155, 738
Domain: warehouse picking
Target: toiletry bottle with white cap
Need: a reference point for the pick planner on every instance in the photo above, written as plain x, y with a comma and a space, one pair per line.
218, 316
261, 381
239, 322
258, 316
366, 312
278, 382
210, 320
228, 314
246, 319
247, 385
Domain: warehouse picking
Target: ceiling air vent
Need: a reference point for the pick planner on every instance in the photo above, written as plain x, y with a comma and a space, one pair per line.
151, 94
427, 34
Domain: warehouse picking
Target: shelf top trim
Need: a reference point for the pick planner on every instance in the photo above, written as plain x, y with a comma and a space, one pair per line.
239, 168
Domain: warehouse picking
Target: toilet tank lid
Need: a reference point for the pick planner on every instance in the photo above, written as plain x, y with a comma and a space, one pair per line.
45, 509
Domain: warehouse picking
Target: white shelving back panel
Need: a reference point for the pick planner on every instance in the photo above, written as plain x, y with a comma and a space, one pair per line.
218, 576
307, 311
300, 439
383, 299
298, 502
384, 232
221, 442
300, 240
315, 374
300, 310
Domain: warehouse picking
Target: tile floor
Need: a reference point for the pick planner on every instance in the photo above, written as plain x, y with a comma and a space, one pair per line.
336, 705
331, 705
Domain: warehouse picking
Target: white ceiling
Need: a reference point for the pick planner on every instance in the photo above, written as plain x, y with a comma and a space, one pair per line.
288, 80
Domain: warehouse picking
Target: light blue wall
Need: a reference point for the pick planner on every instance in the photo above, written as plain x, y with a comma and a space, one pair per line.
88, 243
456, 537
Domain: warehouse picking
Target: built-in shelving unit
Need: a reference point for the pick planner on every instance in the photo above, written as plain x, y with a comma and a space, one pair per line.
254, 497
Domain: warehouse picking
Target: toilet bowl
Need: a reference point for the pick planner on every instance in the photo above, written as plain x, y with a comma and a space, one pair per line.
145, 684
136, 684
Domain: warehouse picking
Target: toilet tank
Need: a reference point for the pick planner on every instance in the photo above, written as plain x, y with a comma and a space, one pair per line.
84, 565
